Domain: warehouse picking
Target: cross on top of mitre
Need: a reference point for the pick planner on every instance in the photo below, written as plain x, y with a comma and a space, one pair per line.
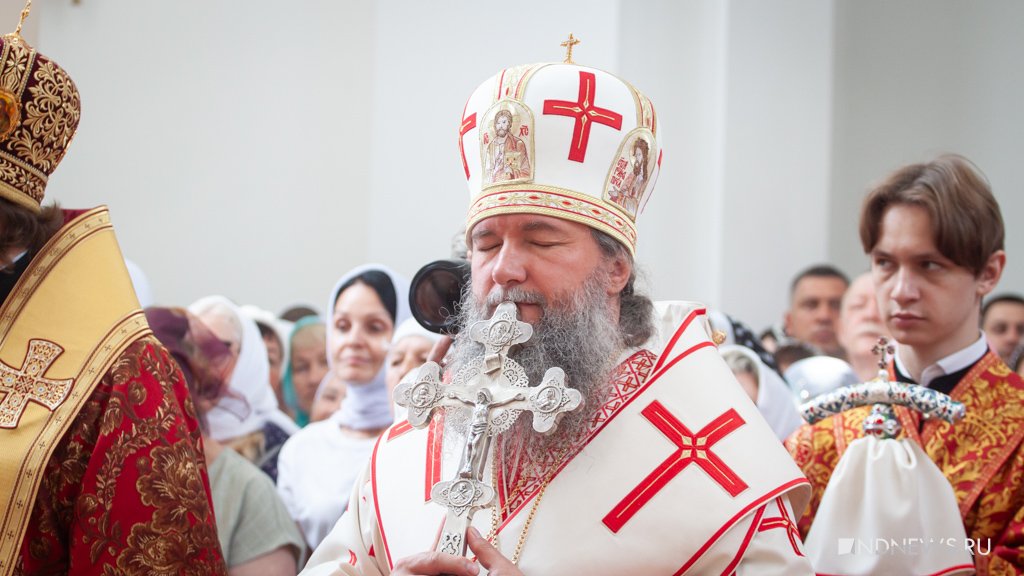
569, 45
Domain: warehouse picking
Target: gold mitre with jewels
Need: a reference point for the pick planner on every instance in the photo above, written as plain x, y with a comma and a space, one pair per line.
562, 140
39, 112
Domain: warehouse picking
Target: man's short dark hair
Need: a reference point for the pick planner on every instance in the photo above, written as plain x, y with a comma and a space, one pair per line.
818, 271
1014, 298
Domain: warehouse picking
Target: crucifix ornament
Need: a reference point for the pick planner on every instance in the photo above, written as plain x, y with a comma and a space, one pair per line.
882, 393
569, 45
484, 398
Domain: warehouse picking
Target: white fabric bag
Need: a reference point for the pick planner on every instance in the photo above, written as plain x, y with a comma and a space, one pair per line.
888, 510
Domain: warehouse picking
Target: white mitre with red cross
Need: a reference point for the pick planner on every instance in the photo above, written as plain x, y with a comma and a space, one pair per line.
561, 140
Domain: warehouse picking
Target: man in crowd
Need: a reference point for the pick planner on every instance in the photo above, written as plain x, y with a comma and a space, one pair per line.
934, 234
101, 470
1002, 320
813, 314
860, 327
616, 489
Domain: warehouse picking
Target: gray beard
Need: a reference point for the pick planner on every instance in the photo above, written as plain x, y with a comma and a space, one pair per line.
576, 333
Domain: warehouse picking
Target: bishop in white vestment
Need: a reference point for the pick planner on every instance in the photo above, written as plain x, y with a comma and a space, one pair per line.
667, 467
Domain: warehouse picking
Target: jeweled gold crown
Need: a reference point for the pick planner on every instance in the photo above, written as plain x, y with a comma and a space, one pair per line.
39, 112
561, 140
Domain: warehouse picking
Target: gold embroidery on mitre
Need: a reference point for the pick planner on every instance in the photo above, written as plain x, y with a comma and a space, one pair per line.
646, 116
506, 144
48, 110
557, 202
30, 384
512, 81
14, 61
630, 174
51, 117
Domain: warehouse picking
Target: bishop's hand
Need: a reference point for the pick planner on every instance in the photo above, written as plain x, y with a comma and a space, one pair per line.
435, 564
489, 557
441, 564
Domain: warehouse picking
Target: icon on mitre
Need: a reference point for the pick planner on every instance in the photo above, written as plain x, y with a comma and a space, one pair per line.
631, 172
507, 144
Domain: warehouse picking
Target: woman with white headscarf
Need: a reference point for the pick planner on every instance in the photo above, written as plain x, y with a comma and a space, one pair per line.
247, 417
765, 387
318, 465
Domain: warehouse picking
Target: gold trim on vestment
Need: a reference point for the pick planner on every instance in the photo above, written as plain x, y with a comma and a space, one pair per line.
77, 294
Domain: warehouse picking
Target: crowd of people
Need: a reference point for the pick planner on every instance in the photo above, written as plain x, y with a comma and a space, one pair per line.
216, 437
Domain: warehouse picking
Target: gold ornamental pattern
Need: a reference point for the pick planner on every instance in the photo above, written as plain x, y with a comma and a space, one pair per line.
51, 116
49, 108
14, 61
558, 202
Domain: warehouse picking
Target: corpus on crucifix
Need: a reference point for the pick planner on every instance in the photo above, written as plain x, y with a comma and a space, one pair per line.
485, 398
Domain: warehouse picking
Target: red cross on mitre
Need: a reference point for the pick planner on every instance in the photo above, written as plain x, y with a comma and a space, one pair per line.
468, 123
585, 113
690, 449
29, 385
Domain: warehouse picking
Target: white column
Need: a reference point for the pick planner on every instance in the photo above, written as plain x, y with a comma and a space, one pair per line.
744, 92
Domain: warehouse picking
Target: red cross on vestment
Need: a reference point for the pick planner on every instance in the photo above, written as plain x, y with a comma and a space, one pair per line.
783, 522
691, 449
28, 384
585, 113
467, 125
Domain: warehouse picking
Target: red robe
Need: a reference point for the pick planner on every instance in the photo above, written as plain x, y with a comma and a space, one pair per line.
982, 456
126, 490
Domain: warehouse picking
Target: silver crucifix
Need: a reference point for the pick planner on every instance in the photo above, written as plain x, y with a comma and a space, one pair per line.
485, 397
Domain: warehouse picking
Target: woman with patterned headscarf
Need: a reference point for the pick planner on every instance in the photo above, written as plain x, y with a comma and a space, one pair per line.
247, 418
255, 532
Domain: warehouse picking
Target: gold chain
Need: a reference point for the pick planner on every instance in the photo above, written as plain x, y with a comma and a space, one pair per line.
496, 514
529, 519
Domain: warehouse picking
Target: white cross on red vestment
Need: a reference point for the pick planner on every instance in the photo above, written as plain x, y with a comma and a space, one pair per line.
691, 449
585, 113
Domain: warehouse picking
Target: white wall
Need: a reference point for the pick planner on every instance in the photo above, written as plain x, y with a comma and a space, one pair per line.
430, 56
262, 148
675, 52
231, 140
921, 77
777, 154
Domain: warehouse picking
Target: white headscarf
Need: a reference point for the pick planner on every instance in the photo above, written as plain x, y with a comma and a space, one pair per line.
774, 400
366, 405
282, 328
249, 402
817, 375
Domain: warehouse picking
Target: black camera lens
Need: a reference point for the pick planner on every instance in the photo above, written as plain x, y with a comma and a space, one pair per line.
436, 294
